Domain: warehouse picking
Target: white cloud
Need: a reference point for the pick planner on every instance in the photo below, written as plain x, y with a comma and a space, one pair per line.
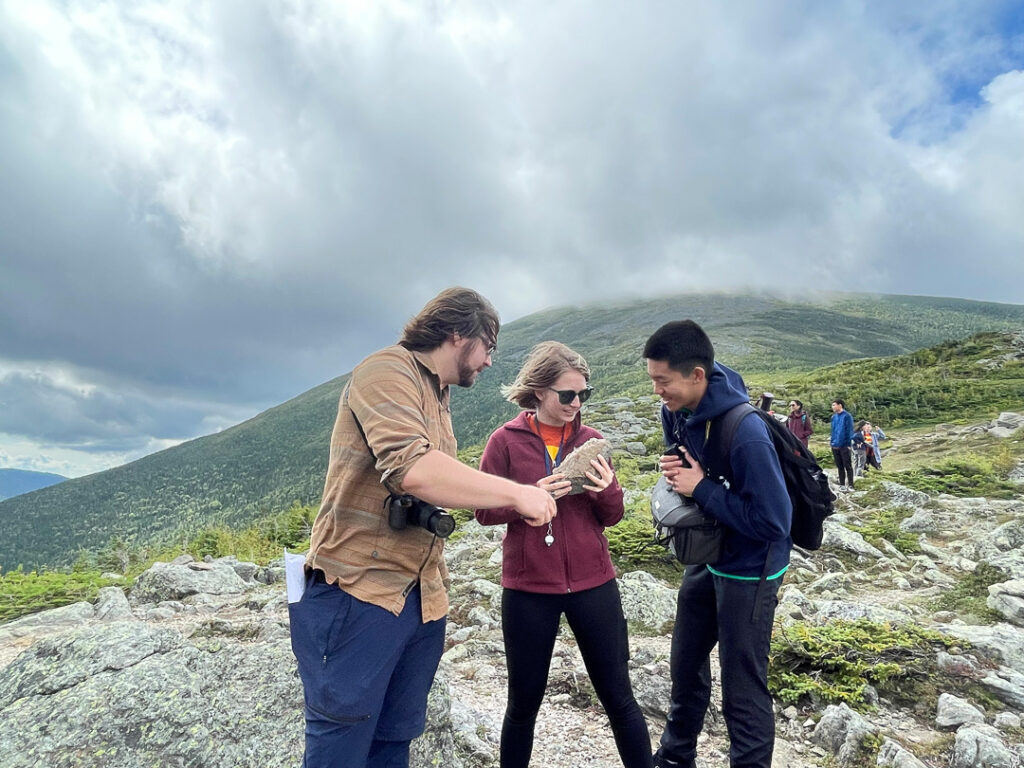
222, 205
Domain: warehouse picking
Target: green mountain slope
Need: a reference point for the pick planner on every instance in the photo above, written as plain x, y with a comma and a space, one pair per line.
265, 463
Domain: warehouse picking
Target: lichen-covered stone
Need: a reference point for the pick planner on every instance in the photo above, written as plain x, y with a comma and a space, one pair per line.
577, 464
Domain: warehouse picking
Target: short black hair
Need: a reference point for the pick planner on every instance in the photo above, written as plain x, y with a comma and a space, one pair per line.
839, 402
683, 345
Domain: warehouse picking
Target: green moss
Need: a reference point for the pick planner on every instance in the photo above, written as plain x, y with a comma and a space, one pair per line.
836, 662
885, 524
970, 593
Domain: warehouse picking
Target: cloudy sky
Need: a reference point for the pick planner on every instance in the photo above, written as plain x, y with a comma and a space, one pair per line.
208, 208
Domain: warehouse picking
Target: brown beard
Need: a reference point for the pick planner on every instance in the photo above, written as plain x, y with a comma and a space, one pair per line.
467, 375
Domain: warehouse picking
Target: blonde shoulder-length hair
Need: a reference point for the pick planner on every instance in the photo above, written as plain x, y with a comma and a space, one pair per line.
542, 367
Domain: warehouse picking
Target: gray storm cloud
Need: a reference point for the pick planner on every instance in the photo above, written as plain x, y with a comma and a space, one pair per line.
215, 207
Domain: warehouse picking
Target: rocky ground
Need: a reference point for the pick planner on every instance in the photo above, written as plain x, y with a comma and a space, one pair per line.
191, 665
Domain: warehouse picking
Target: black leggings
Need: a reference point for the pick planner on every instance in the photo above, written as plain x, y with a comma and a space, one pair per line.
529, 623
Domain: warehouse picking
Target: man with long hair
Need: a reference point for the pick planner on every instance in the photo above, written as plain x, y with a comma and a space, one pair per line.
369, 630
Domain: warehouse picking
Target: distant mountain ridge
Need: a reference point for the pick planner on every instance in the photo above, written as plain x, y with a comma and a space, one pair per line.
14, 482
261, 465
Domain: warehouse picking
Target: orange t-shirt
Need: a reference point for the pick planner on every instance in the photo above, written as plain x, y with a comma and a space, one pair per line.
553, 437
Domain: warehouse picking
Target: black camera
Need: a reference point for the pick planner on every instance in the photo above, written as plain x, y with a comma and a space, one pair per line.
406, 510
675, 450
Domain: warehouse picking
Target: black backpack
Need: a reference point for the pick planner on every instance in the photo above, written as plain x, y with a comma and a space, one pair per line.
806, 482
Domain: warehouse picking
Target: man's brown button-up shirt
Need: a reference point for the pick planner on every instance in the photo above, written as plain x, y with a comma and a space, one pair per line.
396, 397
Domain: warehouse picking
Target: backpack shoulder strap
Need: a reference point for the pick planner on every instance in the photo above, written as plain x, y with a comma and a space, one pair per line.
723, 430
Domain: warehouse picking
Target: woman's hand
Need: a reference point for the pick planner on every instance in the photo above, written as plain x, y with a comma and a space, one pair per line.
555, 484
602, 476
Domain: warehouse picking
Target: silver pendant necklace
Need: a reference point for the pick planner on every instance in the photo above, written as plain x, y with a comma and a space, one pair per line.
550, 538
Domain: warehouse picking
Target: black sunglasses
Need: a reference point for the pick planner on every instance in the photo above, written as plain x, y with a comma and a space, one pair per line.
566, 396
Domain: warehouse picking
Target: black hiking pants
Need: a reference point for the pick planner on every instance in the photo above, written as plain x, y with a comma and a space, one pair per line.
844, 463
738, 615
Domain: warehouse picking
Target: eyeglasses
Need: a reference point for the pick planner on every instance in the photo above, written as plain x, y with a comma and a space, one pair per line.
792, 405
491, 346
566, 396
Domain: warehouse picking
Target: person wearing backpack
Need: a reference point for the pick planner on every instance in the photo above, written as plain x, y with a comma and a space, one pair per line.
732, 602
799, 421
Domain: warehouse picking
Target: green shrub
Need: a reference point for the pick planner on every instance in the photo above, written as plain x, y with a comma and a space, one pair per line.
967, 475
22, 593
970, 593
885, 524
836, 662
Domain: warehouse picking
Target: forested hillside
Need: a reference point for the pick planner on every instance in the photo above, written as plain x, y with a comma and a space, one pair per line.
260, 466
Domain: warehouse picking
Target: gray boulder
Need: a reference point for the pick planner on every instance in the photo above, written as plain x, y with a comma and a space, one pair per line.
127, 695
52, 620
840, 539
646, 600
167, 581
1006, 685
980, 746
842, 731
952, 711
112, 605
1002, 643
893, 755
1007, 598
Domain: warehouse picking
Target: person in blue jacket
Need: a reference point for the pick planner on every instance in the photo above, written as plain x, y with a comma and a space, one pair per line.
731, 602
840, 440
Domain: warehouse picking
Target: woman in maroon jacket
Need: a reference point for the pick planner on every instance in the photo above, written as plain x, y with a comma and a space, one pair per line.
564, 568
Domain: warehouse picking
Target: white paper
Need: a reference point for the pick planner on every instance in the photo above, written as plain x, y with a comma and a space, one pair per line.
294, 576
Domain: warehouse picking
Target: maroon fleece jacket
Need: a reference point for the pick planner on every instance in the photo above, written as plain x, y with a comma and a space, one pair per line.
579, 557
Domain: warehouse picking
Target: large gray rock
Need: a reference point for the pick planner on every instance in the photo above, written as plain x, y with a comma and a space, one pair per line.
52, 620
837, 538
952, 711
850, 611
900, 495
980, 746
167, 581
1006, 685
842, 732
646, 600
1002, 643
128, 695
893, 755
112, 605
1007, 598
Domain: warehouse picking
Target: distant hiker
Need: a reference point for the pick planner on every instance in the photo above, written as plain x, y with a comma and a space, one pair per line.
841, 439
799, 421
764, 402
733, 602
565, 568
859, 450
369, 630
871, 437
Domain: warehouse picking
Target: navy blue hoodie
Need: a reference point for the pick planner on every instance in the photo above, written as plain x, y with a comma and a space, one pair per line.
754, 507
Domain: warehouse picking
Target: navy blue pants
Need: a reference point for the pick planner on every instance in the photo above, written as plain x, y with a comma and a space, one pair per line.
365, 676
737, 615
529, 623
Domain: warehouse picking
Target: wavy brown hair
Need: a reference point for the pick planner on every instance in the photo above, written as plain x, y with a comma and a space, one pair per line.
542, 367
455, 310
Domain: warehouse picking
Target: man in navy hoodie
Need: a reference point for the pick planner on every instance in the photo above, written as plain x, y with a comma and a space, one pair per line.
732, 602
